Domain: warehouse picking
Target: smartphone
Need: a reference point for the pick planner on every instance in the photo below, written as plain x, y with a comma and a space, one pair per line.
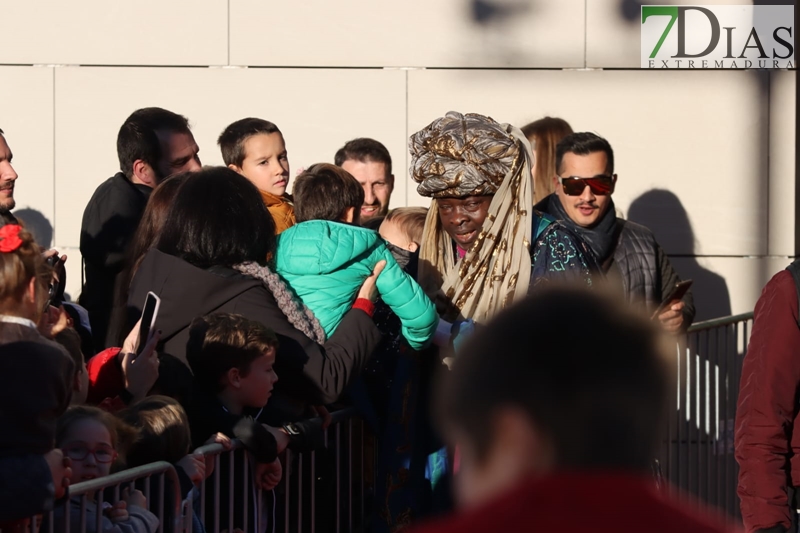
677, 293
148, 324
55, 290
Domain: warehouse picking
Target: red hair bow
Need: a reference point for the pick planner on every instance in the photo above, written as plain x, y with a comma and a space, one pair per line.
9, 238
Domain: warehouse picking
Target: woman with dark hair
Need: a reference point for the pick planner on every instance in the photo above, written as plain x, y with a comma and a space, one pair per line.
211, 257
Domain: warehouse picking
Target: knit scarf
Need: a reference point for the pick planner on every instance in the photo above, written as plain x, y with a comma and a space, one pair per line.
300, 316
601, 238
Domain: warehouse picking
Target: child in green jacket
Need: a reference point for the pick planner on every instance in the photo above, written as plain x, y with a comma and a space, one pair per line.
326, 257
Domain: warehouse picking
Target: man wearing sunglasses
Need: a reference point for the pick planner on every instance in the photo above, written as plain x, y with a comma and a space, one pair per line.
627, 252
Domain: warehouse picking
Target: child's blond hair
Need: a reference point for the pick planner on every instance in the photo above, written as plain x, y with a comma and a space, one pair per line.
409, 220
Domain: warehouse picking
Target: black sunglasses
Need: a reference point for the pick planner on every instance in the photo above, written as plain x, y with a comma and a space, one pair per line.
600, 185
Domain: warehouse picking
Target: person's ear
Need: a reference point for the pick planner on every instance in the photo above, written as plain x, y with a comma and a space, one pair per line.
234, 377
143, 173
413, 247
30, 293
348, 215
235, 168
555, 181
390, 183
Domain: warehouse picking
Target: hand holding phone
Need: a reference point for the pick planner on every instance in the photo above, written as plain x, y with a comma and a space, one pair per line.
677, 294
148, 321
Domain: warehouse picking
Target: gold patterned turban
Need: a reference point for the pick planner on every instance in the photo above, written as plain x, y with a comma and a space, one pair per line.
473, 155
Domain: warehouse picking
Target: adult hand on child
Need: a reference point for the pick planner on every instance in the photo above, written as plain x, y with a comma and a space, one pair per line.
218, 438
268, 475
194, 466
281, 437
60, 470
141, 372
368, 289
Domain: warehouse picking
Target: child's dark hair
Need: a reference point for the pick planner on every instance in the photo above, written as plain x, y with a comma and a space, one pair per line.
164, 433
71, 341
122, 435
231, 140
222, 341
326, 192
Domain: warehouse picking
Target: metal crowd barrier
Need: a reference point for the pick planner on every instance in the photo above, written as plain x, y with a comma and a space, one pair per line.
336, 474
327, 490
697, 457
99, 490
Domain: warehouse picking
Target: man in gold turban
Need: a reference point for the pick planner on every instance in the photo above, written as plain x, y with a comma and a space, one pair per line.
476, 257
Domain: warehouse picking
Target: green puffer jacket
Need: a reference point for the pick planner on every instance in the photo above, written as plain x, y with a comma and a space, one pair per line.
326, 262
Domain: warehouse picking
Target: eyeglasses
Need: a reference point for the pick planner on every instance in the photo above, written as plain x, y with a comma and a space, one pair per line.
600, 185
104, 454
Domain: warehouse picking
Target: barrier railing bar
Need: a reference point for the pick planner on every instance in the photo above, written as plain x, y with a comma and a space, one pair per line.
161, 491
300, 458
246, 490
314, 491
338, 479
350, 473
217, 463
717, 322
83, 513
287, 489
231, 471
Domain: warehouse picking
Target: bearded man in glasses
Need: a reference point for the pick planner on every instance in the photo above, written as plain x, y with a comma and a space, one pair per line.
628, 253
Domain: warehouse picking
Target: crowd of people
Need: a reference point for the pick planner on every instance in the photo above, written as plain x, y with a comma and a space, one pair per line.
274, 308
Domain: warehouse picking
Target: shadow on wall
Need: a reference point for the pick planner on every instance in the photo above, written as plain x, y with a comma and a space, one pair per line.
37, 224
662, 212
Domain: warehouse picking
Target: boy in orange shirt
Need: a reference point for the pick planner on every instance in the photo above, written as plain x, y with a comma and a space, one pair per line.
255, 149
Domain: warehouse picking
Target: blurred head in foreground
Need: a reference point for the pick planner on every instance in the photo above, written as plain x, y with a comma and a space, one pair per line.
564, 381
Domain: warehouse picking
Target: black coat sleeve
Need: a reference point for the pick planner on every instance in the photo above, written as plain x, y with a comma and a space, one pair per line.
306, 370
26, 487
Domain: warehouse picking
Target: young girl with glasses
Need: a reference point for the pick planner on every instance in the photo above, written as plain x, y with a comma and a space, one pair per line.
90, 438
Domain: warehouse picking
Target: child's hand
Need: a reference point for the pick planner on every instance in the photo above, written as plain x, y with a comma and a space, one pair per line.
325, 415
218, 438
118, 512
60, 470
194, 466
134, 497
268, 475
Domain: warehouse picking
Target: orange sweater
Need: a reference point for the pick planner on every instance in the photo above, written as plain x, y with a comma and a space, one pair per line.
281, 209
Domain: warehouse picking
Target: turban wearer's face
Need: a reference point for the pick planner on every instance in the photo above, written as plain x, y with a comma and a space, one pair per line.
462, 218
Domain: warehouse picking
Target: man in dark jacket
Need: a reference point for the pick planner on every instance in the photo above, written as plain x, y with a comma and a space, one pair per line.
152, 144
627, 252
767, 423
